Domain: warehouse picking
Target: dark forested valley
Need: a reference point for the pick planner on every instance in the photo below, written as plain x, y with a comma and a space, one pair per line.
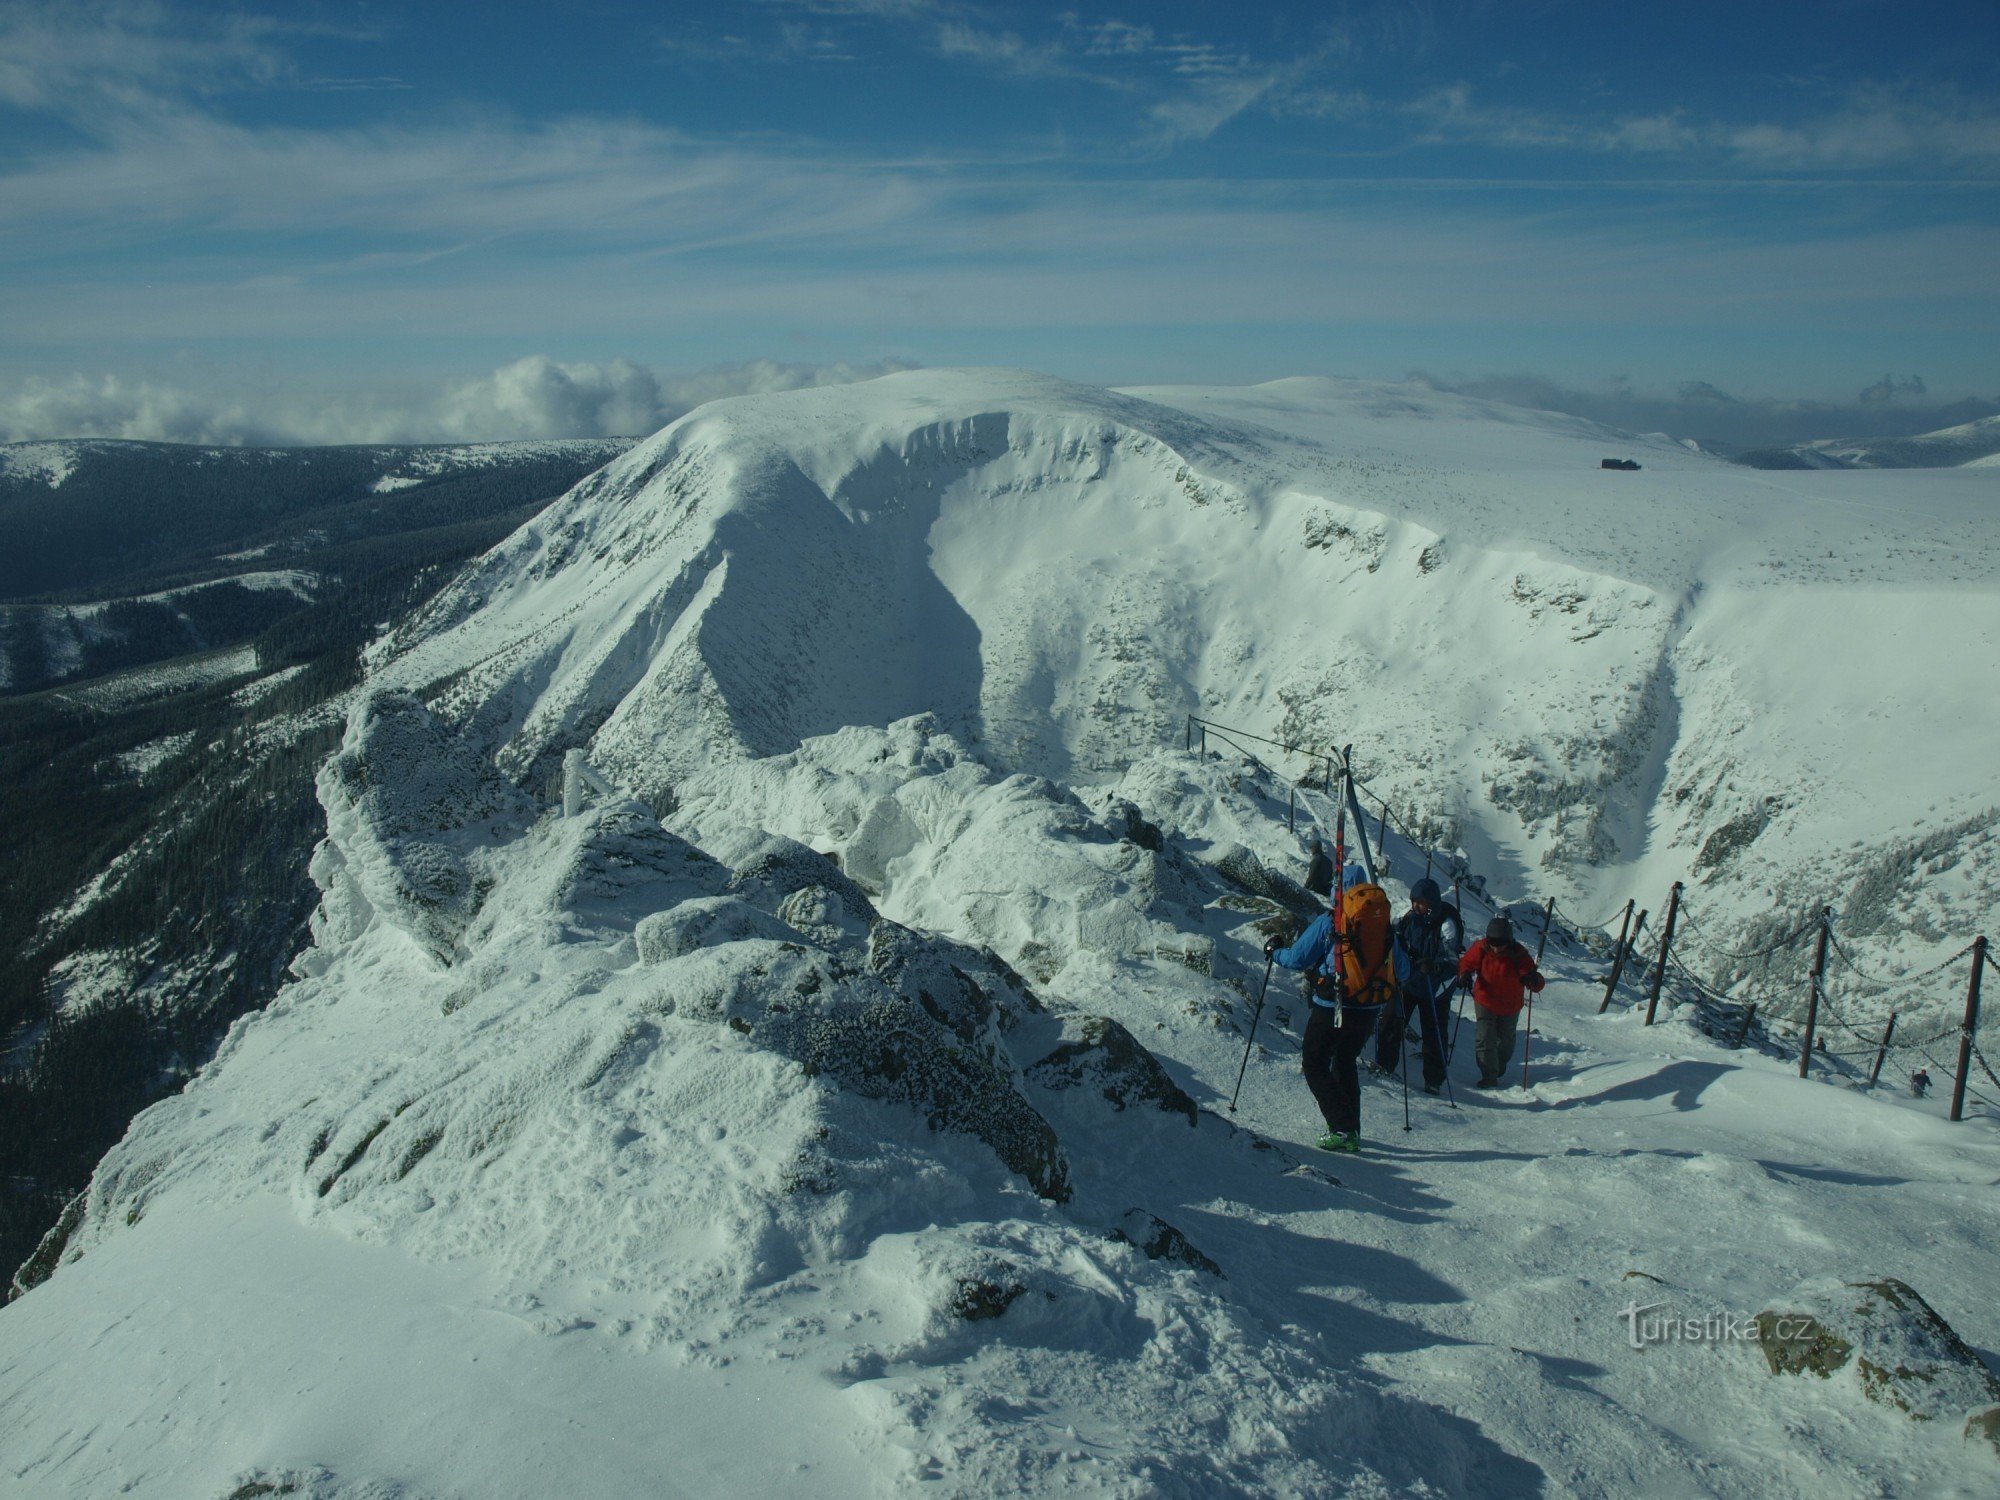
156, 786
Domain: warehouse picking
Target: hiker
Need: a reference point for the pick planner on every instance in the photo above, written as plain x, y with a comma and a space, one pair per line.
1426, 937
1344, 1010
1319, 870
1920, 1082
1502, 974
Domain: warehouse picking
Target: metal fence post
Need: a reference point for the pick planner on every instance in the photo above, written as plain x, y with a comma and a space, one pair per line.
1548, 916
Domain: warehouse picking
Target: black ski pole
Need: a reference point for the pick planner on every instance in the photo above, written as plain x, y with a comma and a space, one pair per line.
1437, 1027
1403, 1047
1251, 1040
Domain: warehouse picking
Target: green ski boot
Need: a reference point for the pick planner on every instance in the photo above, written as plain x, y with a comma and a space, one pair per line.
1334, 1140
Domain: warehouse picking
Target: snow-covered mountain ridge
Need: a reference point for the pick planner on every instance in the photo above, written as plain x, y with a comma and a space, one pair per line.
836, 1105
1595, 681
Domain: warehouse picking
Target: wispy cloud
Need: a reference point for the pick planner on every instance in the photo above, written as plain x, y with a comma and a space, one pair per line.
1004, 52
99, 62
582, 182
1874, 127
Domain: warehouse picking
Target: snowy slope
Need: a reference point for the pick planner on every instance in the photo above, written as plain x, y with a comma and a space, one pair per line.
839, 1104
1587, 678
697, 1172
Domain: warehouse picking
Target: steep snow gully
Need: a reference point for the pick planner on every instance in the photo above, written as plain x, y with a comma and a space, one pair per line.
835, 1107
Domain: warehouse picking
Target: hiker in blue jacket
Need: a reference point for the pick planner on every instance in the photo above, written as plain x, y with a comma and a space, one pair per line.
1330, 1048
1427, 944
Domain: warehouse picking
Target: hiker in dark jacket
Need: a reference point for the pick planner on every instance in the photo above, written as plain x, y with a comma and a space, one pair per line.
1503, 975
1319, 870
1427, 939
1330, 1048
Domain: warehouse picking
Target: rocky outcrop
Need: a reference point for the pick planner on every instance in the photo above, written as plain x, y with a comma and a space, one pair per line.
1107, 1058
1904, 1354
848, 1026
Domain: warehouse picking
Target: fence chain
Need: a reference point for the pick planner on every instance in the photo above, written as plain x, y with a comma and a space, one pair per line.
1884, 986
1717, 948
1703, 990
1602, 925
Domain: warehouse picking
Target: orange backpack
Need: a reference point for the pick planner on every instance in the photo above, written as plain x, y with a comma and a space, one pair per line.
1365, 944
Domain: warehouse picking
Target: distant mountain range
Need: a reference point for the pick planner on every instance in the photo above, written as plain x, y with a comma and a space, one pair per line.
122, 553
1975, 442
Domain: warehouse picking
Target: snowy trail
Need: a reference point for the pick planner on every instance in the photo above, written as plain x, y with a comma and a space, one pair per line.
1485, 1258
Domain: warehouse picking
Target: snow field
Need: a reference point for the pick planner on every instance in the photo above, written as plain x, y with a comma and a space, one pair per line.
557, 1178
845, 1110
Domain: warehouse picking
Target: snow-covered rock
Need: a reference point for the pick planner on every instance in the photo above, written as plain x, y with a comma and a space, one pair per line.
1886, 1336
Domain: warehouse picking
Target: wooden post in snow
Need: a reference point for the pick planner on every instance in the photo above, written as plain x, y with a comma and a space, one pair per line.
1965, 1031
1624, 953
1666, 943
1812, 995
1618, 957
1883, 1050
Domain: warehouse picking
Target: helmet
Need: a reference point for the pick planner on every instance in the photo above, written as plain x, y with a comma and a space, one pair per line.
1500, 930
1426, 889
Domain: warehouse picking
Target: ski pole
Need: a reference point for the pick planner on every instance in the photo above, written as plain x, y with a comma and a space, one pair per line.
1251, 1040
1403, 1047
1527, 1040
1437, 1026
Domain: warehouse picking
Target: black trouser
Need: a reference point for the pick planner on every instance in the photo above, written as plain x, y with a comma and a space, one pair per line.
1420, 1007
1328, 1057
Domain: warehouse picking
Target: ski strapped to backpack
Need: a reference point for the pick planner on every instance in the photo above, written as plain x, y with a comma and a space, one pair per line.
1325, 983
1361, 971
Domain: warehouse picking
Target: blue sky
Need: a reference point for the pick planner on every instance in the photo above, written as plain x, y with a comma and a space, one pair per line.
361, 220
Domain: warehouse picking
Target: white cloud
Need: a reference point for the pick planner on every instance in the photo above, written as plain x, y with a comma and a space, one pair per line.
96, 62
1875, 128
534, 397
1002, 51
541, 397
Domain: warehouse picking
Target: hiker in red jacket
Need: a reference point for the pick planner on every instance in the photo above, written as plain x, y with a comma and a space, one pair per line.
1503, 974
